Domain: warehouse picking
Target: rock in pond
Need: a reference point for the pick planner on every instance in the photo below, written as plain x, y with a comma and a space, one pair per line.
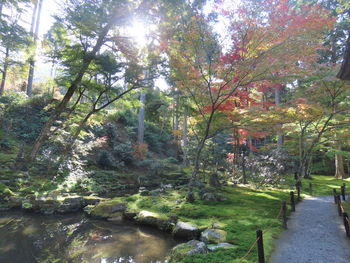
212, 248
186, 230
215, 236
190, 248
154, 219
71, 204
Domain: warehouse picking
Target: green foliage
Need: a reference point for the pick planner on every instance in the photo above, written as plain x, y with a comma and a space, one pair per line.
106, 160
24, 118
5, 191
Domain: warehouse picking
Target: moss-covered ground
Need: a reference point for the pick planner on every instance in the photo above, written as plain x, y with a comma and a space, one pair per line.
244, 211
321, 185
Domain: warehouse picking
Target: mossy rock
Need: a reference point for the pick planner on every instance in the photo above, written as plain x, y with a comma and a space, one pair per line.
154, 219
107, 209
190, 248
214, 236
186, 230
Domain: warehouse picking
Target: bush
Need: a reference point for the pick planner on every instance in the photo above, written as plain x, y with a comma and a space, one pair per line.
269, 167
106, 160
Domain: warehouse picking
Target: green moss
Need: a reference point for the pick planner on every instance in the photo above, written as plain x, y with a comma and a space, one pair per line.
5, 191
104, 209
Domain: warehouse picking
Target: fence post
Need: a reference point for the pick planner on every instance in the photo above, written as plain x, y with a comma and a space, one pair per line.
342, 190
339, 205
284, 214
259, 236
346, 224
310, 188
335, 195
298, 193
292, 202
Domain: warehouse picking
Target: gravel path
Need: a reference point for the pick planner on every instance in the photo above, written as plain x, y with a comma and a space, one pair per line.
315, 235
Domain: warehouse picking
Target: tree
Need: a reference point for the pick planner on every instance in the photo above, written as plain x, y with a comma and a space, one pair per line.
13, 37
212, 79
35, 34
89, 27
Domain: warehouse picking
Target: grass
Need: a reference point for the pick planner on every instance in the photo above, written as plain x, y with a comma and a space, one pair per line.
245, 211
324, 185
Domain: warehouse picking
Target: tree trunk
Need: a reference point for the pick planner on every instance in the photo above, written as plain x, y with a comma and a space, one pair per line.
177, 137
141, 129
35, 36
244, 175
197, 158
70, 92
339, 163
279, 133
4, 71
185, 139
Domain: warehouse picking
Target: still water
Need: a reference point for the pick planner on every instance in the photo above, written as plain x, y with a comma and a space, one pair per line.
31, 238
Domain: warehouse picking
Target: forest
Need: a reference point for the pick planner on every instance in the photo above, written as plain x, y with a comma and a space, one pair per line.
130, 127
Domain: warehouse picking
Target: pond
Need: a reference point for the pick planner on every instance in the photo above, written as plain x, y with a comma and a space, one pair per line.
33, 238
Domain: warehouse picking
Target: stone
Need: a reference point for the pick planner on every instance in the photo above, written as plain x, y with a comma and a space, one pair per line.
130, 215
215, 236
71, 204
91, 200
210, 197
212, 248
119, 208
166, 186
15, 202
215, 226
153, 219
145, 193
186, 230
190, 248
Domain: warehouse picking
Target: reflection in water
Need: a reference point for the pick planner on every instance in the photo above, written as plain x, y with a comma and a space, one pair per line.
75, 238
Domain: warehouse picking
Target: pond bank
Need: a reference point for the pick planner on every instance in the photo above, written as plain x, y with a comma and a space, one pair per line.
33, 238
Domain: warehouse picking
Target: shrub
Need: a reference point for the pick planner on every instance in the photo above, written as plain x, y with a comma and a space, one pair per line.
106, 160
140, 150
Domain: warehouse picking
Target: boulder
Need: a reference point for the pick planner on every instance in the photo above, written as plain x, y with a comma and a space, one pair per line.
91, 200
71, 204
121, 207
15, 202
130, 215
190, 248
153, 219
212, 248
215, 236
210, 197
186, 230
47, 207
